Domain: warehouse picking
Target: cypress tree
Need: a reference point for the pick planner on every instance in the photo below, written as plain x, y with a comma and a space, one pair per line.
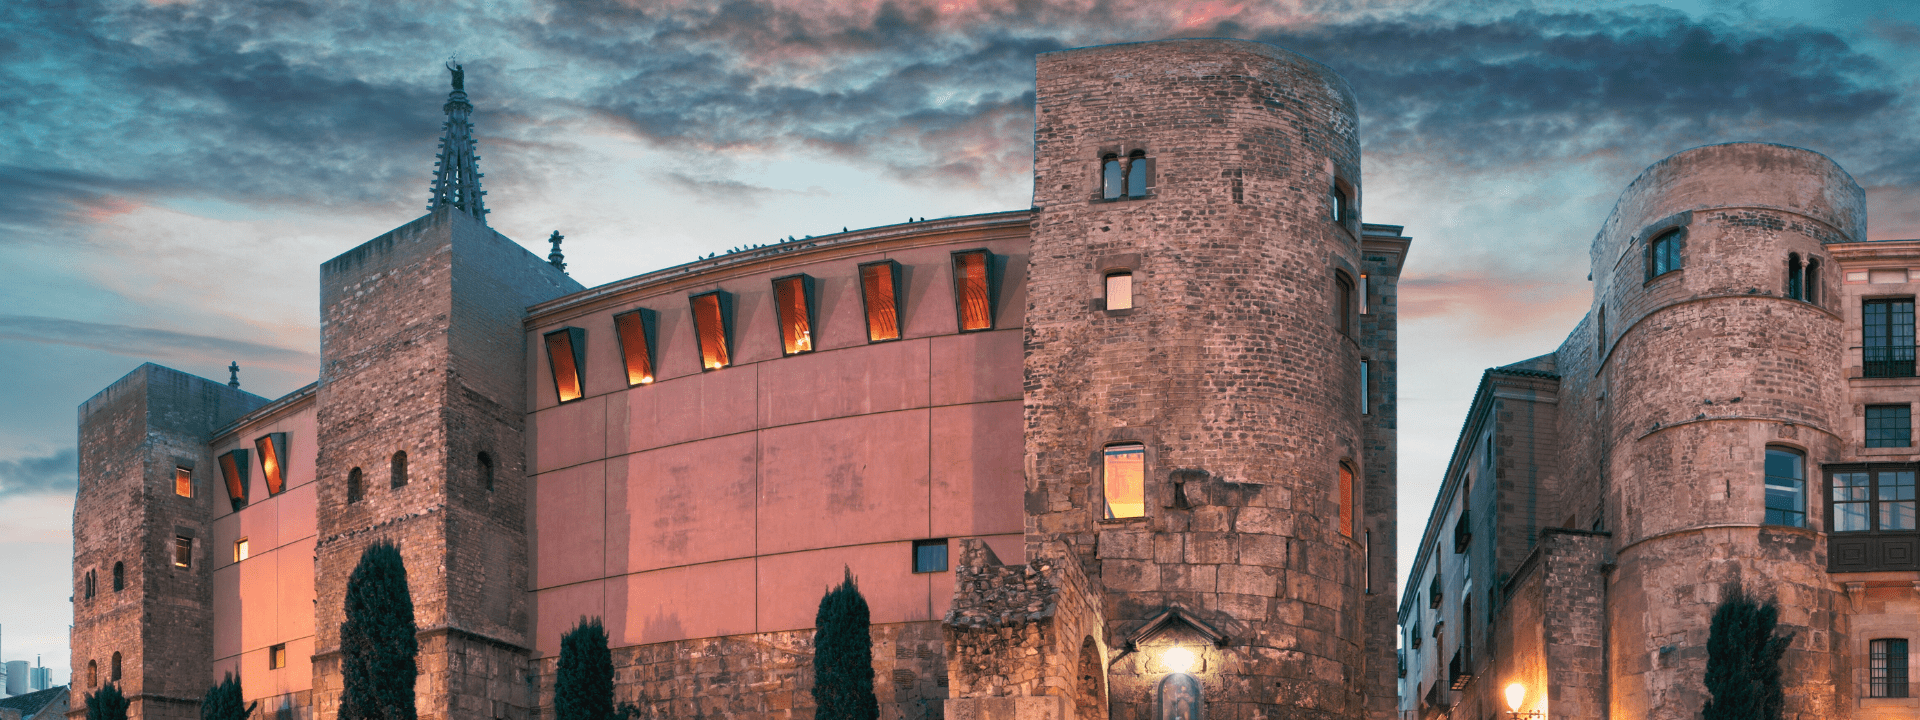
1743, 661
583, 688
377, 641
224, 702
843, 657
107, 704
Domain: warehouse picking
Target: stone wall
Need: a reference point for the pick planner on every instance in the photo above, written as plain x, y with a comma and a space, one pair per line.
1024, 639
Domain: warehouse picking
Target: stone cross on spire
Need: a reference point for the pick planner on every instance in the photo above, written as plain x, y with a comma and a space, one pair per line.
456, 177
555, 258
233, 381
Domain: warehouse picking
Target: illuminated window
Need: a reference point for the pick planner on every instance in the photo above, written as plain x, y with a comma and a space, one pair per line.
567, 356
929, 556
1786, 488
277, 657
114, 673
486, 471
356, 486
1363, 293
1120, 290
182, 551
879, 283
793, 300
273, 452
1889, 426
119, 576
240, 550
973, 289
1663, 254
398, 469
182, 482
1346, 500
1887, 665
713, 324
1124, 479
233, 465
635, 328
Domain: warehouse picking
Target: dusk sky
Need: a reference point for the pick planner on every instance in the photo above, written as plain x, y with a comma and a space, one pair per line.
173, 172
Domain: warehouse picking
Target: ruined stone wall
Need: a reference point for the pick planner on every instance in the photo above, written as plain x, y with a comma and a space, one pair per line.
1232, 362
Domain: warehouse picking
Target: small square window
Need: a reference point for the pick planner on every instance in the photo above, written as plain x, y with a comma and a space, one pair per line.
182, 551
930, 556
183, 482
240, 550
1663, 254
1889, 426
277, 657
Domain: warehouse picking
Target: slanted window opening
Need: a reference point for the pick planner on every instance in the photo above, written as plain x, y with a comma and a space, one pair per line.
273, 452
182, 551
713, 327
1887, 347
880, 296
233, 465
1786, 487
1889, 426
277, 657
1887, 668
119, 576
636, 330
1346, 494
1123, 481
567, 358
397, 469
356, 486
793, 303
973, 289
1119, 289
1796, 275
1663, 254
930, 556
183, 482
486, 471
240, 551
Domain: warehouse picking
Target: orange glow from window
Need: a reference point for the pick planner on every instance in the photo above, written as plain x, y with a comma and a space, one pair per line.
970, 286
1346, 501
183, 482
566, 372
270, 447
710, 324
796, 328
883, 309
1125, 479
233, 465
632, 328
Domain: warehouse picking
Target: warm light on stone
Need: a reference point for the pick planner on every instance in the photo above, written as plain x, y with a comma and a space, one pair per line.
1178, 659
1516, 694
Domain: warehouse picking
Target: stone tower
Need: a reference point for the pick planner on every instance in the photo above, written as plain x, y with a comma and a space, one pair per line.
421, 426
141, 567
1195, 298
1692, 417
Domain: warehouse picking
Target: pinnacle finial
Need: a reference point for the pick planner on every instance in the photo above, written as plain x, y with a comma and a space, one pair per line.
554, 258
459, 75
233, 379
456, 177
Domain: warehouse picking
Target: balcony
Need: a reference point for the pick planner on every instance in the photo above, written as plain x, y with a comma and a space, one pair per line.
1887, 362
1872, 552
1459, 672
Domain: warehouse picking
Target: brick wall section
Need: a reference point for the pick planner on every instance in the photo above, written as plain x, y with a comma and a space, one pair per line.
132, 437
1230, 364
422, 351
1573, 617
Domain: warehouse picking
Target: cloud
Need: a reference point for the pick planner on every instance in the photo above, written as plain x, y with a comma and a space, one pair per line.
47, 474
149, 343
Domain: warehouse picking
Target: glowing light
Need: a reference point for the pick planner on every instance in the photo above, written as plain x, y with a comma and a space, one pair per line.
1178, 659
1516, 694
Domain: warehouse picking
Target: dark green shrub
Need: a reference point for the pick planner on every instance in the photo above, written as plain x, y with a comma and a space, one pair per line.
107, 704
843, 657
377, 641
224, 702
1743, 661
583, 686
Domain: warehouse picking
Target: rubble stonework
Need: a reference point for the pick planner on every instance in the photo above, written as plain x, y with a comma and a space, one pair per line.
1019, 630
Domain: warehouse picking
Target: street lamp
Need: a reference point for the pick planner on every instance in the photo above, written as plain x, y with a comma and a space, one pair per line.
1516, 694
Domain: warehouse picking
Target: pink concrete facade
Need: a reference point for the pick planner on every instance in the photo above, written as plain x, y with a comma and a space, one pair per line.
725, 502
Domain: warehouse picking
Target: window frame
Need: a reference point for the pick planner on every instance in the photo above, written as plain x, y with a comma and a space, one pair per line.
1105, 509
356, 486
242, 549
182, 552
946, 555
1106, 289
485, 466
1899, 361
809, 303
1135, 165
867, 301
1882, 661
182, 479
576, 356
723, 307
989, 276
1348, 497
1875, 548
1906, 414
1343, 302
397, 470
1767, 484
277, 656
637, 325
1673, 238
272, 449
234, 468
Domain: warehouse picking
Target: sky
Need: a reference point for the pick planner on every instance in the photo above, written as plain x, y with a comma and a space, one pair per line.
173, 172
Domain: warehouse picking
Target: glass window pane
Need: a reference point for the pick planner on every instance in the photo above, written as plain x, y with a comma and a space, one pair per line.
233, 466
1124, 477
183, 482
929, 556
1119, 291
635, 345
1887, 668
1786, 488
883, 310
1895, 496
563, 358
1850, 501
971, 291
1112, 177
1889, 426
796, 327
709, 323
1137, 175
271, 447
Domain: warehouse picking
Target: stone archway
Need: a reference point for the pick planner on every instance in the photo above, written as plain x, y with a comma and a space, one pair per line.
1090, 684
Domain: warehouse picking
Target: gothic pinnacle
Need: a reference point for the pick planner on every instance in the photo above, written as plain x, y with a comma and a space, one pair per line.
456, 179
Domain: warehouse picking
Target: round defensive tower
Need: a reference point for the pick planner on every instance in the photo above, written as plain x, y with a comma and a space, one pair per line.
1717, 336
1192, 368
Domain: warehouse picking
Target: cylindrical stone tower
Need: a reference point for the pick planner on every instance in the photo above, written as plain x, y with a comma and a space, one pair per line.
1192, 321
1710, 360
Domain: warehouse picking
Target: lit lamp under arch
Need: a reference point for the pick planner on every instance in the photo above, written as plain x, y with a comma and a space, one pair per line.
1177, 659
1517, 694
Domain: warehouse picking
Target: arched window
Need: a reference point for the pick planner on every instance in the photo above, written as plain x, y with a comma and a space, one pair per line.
1124, 481
89, 583
93, 674
1786, 487
486, 471
356, 487
119, 577
1113, 177
400, 469
1125, 177
1663, 254
1795, 276
1137, 174
114, 675
1346, 500
1090, 688
1120, 290
1810, 288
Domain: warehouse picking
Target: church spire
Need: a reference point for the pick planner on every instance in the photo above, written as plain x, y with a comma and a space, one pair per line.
456, 177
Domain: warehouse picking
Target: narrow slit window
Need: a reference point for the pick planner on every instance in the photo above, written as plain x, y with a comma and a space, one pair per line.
356, 486
1889, 426
1795, 276
1365, 409
973, 289
486, 471
930, 556
793, 299
1343, 303
1138, 168
1120, 290
240, 550
1112, 177
89, 591
93, 674
398, 469
1887, 665
636, 330
1346, 500
1124, 479
114, 675
1363, 293
1786, 488
567, 356
1338, 199
879, 286
273, 452
183, 482
713, 324
233, 466
182, 551
119, 576
1811, 288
